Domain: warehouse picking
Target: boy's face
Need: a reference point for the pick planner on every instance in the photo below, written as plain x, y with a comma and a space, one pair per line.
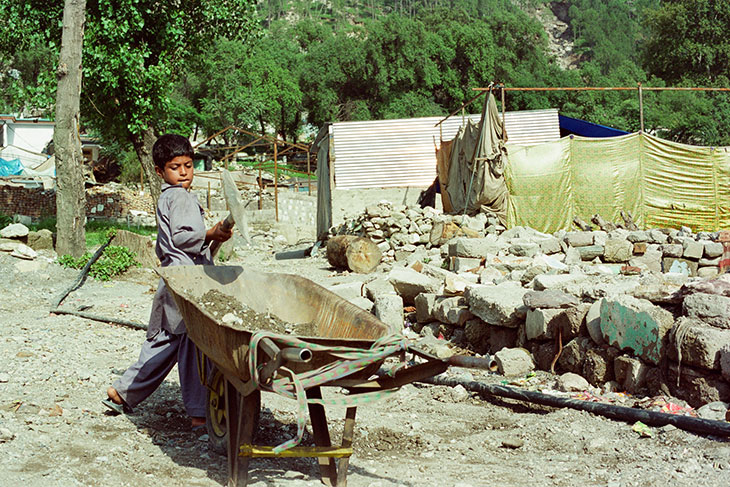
177, 171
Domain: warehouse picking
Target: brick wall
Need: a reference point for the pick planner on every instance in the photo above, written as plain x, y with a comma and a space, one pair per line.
108, 201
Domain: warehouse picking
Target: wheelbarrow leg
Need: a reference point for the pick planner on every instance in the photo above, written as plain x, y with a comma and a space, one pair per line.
241, 415
327, 466
347, 436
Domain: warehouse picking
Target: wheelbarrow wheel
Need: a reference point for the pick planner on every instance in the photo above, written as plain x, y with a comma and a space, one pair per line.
216, 421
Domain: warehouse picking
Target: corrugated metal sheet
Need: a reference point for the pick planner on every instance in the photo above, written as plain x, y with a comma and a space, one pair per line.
393, 153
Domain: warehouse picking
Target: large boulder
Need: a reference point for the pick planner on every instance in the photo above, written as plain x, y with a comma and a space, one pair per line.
700, 344
409, 283
712, 308
637, 325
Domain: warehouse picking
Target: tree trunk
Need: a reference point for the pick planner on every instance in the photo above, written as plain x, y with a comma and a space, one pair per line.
358, 254
70, 192
143, 147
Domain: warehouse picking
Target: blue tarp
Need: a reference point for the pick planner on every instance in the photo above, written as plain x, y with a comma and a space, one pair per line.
576, 126
12, 167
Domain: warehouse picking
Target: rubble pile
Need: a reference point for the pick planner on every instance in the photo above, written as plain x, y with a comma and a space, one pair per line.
636, 311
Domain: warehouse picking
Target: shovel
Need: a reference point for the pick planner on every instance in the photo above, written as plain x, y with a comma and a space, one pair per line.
237, 215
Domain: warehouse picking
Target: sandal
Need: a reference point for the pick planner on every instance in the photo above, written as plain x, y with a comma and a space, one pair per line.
116, 408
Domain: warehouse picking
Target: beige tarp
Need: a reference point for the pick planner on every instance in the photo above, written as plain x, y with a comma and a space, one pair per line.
661, 183
471, 167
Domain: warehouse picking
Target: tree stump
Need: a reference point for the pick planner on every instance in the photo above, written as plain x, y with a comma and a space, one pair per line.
358, 254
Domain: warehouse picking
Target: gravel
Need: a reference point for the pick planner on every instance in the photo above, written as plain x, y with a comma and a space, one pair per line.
54, 430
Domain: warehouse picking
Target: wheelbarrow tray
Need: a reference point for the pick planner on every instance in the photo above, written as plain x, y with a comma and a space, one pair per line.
290, 298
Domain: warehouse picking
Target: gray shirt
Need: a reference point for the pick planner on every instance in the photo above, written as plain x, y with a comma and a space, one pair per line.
180, 241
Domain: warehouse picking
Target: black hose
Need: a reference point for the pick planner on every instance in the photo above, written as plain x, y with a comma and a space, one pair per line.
652, 418
103, 319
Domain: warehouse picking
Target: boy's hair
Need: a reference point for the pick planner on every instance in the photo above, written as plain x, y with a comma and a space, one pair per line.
170, 146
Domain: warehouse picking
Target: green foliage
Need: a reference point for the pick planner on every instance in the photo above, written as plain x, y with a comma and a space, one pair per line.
113, 261
5, 220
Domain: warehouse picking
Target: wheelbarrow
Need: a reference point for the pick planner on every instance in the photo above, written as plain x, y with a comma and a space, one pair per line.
245, 359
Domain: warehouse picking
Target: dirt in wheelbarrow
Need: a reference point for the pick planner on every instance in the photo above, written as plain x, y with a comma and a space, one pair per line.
227, 309
54, 431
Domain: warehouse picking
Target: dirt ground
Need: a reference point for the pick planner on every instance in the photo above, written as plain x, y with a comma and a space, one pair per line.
54, 430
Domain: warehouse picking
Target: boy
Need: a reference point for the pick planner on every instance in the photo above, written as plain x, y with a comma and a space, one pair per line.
181, 240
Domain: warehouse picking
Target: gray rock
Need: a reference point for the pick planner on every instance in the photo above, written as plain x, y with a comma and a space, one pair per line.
712, 308
593, 323
590, 252
22, 251
524, 248
650, 260
558, 281
570, 382
14, 230
42, 240
474, 247
708, 272
705, 262
362, 302
693, 250
634, 324
638, 236
514, 362
497, 305
347, 290
725, 361
715, 411
712, 249
541, 324
658, 237
700, 345
389, 309
463, 264
376, 287
549, 245
630, 373
425, 303
579, 239
409, 283
672, 250
452, 310
617, 250
574, 354
549, 298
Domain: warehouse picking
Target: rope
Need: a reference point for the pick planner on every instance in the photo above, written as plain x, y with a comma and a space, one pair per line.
349, 361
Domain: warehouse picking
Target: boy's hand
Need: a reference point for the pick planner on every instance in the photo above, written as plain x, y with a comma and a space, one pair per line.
219, 232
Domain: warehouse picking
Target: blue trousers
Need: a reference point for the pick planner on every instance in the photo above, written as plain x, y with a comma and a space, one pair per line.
157, 357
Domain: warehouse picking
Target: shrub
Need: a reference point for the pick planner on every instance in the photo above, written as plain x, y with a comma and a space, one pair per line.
113, 261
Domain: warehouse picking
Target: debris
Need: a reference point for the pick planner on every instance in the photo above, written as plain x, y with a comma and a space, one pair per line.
642, 429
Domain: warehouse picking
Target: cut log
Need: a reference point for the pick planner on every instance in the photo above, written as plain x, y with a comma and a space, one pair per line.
580, 223
629, 221
603, 224
358, 254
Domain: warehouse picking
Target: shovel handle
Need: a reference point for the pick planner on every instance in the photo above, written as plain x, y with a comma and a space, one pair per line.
227, 224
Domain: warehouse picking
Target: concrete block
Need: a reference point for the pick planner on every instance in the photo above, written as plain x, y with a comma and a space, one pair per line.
600, 237
409, 283
514, 362
650, 260
474, 247
549, 245
549, 298
617, 250
593, 323
658, 237
524, 248
708, 272
638, 236
376, 287
362, 302
706, 262
700, 344
579, 239
630, 373
637, 325
497, 305
712, 308
556, 281
348, 290
540, 324
712, 249
463, 264
491, 275
425, 303
693, 249
452, 310
590, 252
672, 250
389, 309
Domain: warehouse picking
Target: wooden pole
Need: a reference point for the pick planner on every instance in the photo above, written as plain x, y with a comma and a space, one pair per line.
309, 176
276, 182
261, 185
641, 110
503, 106
208, 197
